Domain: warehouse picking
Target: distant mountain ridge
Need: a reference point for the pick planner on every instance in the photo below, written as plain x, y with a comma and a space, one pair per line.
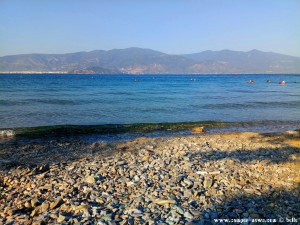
147, 61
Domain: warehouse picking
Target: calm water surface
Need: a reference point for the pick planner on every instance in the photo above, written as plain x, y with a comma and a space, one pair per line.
36, 100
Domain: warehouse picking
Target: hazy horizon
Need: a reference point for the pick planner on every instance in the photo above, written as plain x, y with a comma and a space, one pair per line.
172, 27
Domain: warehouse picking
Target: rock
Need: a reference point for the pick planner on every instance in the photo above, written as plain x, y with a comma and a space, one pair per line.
121, 163
82, 208
188, 215
196, 213
187, 193
61, 218
188, 183
178, 209
198, 130
201, 172
35, 202
44, 207
28, 205
90, 180
39, 222
33, 213
44, 168
164, 202
58, 202
208, 182
100, 200
255, 215
135, 212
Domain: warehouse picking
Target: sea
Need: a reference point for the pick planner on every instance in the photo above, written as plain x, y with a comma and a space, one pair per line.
30, 100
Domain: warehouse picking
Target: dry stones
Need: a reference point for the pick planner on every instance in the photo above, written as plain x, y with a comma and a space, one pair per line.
208, 182
90, 180
182, 180
61, 218
44, 207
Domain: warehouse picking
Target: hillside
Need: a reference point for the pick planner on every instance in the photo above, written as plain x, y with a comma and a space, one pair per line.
147, 61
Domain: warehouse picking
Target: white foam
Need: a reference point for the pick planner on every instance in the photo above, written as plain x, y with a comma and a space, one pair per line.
7, 133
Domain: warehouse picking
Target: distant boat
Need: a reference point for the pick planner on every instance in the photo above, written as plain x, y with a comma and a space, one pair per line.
251, 81
282, 82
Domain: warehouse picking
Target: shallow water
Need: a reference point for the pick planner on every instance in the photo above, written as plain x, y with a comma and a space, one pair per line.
37, 100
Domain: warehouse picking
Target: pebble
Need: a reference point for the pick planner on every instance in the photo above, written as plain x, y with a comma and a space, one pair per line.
58, 202
90, 180
135, 212
44, 207
61, 219
178, 180
208, 182
188, 215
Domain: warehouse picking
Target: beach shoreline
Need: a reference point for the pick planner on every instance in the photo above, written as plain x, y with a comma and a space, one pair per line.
170, 180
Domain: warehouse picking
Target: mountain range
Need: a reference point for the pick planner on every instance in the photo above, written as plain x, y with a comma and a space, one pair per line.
147, 61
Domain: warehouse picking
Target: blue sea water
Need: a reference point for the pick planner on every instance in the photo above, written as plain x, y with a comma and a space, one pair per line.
36, 99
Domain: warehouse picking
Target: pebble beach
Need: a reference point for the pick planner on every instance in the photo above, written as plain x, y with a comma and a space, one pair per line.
236, 178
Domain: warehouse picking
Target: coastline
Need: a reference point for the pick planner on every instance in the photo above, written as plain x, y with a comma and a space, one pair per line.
199, 178
170, 128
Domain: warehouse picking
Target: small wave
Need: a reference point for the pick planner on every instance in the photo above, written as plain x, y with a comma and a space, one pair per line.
289, 104
7, 133
157, 110
42, 101
51, 101
11, 103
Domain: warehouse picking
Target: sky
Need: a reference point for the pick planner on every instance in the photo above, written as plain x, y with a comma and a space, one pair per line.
170, 26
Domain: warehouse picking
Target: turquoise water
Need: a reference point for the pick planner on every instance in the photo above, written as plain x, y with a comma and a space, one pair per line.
37, 100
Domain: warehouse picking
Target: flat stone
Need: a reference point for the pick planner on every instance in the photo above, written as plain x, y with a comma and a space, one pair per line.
58, 202
90, 180
35, 202
44, 207
208, 182
61, 218
178, 209
82, 208
135, 213
164, 202
188, 215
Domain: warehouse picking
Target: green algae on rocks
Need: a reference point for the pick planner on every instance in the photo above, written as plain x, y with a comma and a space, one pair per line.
69, 130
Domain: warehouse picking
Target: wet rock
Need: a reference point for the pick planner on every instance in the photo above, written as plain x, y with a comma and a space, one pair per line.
198, 130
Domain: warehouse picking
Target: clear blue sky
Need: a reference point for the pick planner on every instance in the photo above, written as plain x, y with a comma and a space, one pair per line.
170, 26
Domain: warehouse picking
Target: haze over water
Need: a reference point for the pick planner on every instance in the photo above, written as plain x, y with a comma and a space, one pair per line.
37, 100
